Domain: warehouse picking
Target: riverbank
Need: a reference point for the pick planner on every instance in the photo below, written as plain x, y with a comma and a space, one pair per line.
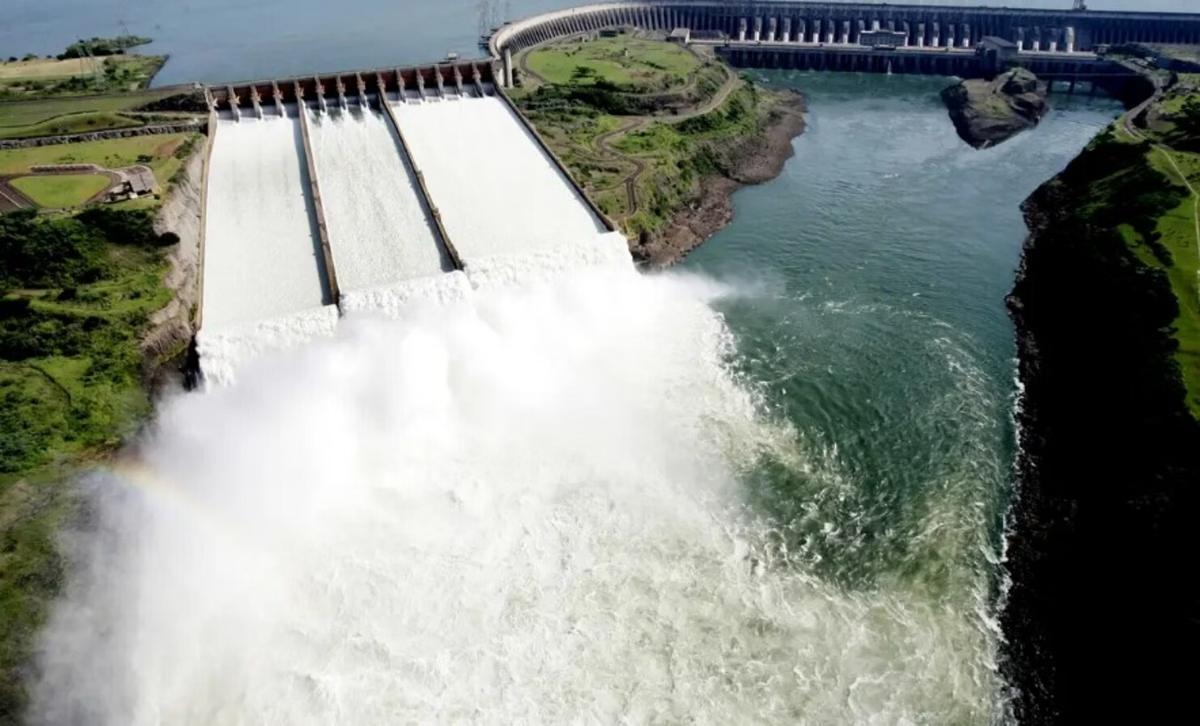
1107, 315
660, 153
752, 159
94, 309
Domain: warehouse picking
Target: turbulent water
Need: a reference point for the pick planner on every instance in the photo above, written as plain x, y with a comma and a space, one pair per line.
765, 488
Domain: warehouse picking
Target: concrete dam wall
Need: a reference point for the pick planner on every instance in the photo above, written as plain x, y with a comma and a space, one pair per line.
342, 196
828, 23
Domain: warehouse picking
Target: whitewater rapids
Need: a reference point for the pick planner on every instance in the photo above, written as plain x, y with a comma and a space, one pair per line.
522, 506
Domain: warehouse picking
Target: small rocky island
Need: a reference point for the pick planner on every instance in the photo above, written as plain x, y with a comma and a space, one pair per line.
987, 113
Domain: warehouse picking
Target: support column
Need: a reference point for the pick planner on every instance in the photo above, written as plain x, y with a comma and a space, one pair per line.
787, 30
772, 24
757, 30
920, 35
741, 36
508, 67
966, 35
1070, 39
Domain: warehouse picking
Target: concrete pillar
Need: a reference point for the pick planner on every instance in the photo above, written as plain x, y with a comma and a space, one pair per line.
772, 27
920, 35
1036, 44
966, 35
830, 30
802, 31
937, 35
846, 32
1020, 39
875, 24
787, 30
950, 35
741, 36
816, 36
508, 68
904, 27
1070, 39
1054, 40
757, 30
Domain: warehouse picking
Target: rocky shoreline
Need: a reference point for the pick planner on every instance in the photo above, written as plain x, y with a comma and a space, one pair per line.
1102, 604
753, 160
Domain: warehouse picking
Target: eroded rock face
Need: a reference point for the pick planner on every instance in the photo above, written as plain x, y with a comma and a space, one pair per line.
986, 113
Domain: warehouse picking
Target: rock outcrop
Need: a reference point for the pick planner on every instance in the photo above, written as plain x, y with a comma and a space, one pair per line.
171, 329
987, 113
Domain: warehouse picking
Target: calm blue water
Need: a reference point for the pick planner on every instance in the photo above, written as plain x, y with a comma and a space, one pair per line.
227, 40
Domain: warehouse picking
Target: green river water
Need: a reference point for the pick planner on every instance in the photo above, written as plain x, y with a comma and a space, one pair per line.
869, 312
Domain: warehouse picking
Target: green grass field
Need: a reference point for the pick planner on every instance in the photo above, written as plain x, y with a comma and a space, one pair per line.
1179, 235
636, 65
24, 118
158, 151
61, 191
74, 123
49, 77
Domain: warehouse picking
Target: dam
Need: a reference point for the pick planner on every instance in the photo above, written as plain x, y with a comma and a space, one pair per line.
369, 190
328, 195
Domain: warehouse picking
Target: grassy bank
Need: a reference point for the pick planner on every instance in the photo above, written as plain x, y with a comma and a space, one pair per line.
1145, 185
76, 295
1108, 330
641, 122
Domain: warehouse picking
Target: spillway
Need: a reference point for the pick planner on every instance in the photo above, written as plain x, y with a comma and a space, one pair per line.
490, 179
379, 229
262, 259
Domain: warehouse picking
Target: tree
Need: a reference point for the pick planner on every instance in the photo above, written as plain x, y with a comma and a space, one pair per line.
1188, 121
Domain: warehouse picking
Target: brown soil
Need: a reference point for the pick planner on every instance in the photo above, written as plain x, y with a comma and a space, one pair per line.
756, 159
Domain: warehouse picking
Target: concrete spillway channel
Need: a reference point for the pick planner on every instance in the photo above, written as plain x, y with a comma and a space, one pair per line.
470, 149
382, 229
263, 254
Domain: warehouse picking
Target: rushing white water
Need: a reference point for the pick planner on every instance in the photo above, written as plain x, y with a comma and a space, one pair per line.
490, 180
520, 506
260, 256
378, 228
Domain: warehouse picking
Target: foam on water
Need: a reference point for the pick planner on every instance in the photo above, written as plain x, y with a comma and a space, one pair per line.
524, 505
378, 228
225, 350
394, 300
469, 151
260, 255
597, 250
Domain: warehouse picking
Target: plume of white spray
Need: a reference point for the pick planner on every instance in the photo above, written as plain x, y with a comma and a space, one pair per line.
517, 506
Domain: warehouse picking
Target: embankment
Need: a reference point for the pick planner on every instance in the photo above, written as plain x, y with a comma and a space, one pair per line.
181, 215
1102, 611
750, 159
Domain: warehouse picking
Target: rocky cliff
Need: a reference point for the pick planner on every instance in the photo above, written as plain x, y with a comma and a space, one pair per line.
1104, 610
986, 113
172, 328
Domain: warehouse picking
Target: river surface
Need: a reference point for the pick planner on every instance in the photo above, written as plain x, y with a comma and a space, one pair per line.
230, 40
873, 273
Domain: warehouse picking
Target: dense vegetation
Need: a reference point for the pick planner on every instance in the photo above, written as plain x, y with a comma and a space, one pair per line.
103, 46
75, 297
1103, 608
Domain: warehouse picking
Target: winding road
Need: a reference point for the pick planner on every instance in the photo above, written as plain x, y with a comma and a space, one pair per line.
603, 142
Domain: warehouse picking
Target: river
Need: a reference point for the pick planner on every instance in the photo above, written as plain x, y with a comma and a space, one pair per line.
792, 508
